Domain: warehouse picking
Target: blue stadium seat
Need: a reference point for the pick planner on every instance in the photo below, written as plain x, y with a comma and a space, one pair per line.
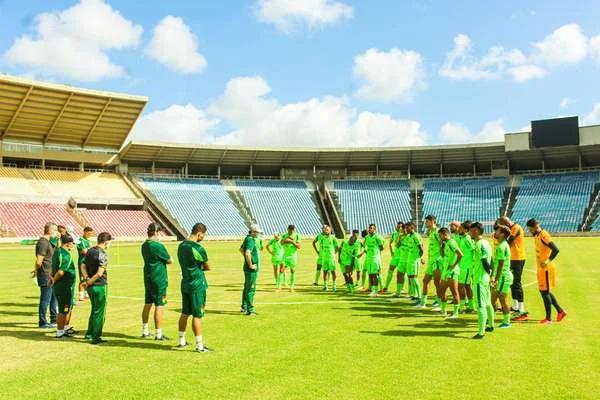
383, 202
558, 201
275, 204
199, 200
475, 199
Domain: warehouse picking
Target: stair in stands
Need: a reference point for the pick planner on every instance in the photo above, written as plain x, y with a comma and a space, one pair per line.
238, 199
592, 210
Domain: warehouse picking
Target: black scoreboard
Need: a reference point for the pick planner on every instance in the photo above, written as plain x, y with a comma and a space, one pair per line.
554, 132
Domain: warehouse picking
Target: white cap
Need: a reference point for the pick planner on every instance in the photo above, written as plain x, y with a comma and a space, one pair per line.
255, 228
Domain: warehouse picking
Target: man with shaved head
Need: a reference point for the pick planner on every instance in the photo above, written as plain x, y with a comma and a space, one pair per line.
516, 240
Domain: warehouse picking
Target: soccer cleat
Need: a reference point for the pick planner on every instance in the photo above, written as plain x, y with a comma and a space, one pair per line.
98, 341
162, 338
545, 321
435, 304
384, 290
71, 331
251, 313
48, 326
65, 335
243, 310
560, 316
514, 310
145, 335
373, 294
478, 336
334, 289
324, 289
203, 349
436, 308
452, 316
520, 318
315, 284
396, 295
181, 345
504, 325
489, 329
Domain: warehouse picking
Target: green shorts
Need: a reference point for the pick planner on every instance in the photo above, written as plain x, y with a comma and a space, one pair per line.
155, 293
290, 261
396, 260
347, 262
412, 267
193, 303
327, 264
466, 275
65, 299
432, 266
504, 283
359, 265
372, 266
277, 261
482, 295
451, 273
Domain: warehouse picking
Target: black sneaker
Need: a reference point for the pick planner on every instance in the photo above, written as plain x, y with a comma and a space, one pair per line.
48, 326
243, 311
489, 329
204, 349
71, 331
251, 313
98, 341
163, 338
478, 336
145, 335
315, 284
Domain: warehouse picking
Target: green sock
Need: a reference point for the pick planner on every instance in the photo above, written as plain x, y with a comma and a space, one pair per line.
506, 318
463, 303
280, 280
424, 300
379, 281
456, 308
443, 305
363, 279
416, 287
471, 305
398, 288
437, 299
317, 274
292, 278
333, 285
388, 278
490, 315
481, 320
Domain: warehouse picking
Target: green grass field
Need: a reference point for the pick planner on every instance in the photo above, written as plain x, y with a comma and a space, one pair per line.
304, 345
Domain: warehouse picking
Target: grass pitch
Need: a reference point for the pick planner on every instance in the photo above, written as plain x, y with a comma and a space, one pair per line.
304, 345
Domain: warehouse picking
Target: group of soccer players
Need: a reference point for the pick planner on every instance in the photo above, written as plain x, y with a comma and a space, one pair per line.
460, 261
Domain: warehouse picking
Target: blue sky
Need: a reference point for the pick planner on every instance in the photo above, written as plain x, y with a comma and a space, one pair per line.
319, 72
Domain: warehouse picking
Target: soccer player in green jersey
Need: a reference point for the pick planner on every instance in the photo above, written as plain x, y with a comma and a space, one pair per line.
373, 247
454, 230
413, 259
251, 267
63, 282
451, 256
466, 245
361, 275
193, 262
156, 257
82, 248
433, 270
275, 249
95, 273
291, 244
502, 277
482, 269
349, 253
396, 252
327, 250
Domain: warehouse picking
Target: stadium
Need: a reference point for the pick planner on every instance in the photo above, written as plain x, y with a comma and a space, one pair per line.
139, 268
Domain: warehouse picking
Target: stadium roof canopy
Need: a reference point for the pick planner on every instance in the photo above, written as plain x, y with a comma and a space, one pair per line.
385, 157
39, 112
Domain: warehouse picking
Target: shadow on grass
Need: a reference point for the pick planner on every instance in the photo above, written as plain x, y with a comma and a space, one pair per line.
420, 333
27, 305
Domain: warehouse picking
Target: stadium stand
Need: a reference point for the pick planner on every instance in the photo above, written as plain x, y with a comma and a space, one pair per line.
28, 219
119, 223
383, 202
277, 203
198, 200
557, 200
463, 198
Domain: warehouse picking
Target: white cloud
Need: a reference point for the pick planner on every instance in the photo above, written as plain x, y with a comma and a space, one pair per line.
175, 45
565, 45
257, 119
389, 76
455, 133
291, 15
593, 117
566, 102
73, 43
177, 123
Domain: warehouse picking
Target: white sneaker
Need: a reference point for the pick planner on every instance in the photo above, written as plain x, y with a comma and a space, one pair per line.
373, 294
452, 316
436, 308
182, 344
203, 349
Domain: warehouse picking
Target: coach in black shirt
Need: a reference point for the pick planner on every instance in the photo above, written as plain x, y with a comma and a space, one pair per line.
44, 249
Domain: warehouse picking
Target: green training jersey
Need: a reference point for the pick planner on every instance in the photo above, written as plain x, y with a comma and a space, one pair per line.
289, 250
83, 245
502, 253
412, 243
327, 245
349, 252
467, 246
276, 248
155, 257
373, 244
259, 247
449, 252
249, 244
62, 260
192, 257
483, 251
398, 250
433, 246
